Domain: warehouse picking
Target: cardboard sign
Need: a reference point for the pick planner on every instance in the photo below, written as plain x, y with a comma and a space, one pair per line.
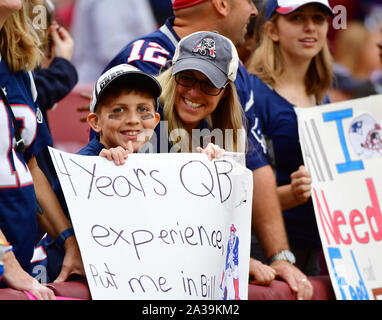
162, 226
342, 149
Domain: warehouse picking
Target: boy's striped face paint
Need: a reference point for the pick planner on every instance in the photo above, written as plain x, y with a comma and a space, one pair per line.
147, 116
118, 114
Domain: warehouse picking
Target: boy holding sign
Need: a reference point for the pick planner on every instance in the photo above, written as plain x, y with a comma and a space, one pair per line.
123, 111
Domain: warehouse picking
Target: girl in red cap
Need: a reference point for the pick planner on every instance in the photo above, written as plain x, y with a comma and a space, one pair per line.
292, 68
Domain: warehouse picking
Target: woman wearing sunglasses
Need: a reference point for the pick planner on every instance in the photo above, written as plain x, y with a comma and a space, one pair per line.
199, 93
199, 100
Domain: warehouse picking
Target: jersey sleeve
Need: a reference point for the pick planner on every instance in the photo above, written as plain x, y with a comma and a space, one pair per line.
256, 156
42, 137
55, 82
146, 54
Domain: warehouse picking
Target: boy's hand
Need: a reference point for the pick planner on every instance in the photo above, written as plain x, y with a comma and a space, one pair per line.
212, 151
118, 154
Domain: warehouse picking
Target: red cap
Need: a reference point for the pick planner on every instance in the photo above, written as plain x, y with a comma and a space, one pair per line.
181, 4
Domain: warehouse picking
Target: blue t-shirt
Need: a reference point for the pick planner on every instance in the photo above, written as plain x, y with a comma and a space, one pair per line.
93, 148
279, 127
152, 54
17, 196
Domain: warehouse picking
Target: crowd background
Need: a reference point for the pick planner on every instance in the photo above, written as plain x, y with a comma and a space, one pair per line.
94, 31
357, 64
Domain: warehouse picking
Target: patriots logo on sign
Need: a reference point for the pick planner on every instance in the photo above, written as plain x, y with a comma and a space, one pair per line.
366, 136
357, 127
206, 47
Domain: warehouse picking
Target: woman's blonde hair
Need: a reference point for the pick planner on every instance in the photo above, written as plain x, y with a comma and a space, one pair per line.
228, 115
19, 42
268, 64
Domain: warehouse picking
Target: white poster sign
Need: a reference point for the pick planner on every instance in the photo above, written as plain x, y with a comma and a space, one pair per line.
162, 226
342, 149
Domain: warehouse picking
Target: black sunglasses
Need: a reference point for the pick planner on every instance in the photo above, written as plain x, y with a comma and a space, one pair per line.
188, 81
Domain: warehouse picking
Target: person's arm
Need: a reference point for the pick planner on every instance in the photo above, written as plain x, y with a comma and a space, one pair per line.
55, 222
267, 220
58, 76
268, 225
55, 82
15, 277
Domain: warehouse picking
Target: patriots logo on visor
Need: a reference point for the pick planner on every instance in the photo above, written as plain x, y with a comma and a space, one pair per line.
206, 47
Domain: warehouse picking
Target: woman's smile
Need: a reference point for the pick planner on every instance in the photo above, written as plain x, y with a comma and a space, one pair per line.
191, 104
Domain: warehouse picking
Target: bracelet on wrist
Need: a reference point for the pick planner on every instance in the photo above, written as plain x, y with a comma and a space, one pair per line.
64, 235
4, 248
10, 248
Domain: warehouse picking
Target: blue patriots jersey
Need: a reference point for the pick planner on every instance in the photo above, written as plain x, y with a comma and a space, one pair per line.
153, 53
17, 196
279, 126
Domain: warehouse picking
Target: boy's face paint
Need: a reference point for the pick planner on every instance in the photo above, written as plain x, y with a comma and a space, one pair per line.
146, 116
130, 117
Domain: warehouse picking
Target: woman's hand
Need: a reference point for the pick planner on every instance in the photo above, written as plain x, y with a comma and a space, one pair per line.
301, 184
212, 151
62, 42
263, 274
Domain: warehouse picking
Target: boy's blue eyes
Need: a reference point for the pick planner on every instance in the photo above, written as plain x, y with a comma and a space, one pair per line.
118, 110
140, 109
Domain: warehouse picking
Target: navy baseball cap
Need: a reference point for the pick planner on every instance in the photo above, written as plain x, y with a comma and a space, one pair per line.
209, 53
288, 6
128, 72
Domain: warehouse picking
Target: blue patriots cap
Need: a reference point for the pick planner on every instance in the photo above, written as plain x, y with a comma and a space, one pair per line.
209, 53
128, 72
288, 6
